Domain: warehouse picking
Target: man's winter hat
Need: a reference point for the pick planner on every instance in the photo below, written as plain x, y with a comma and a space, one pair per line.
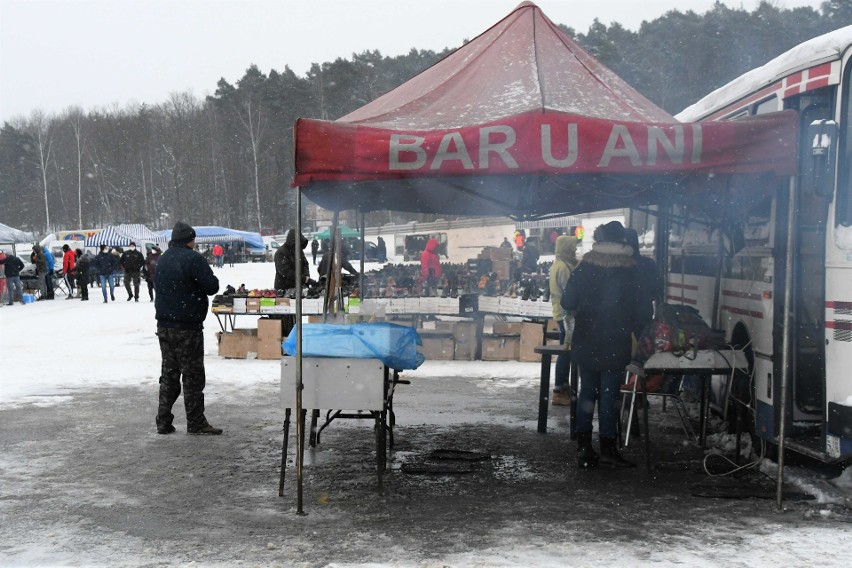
66, 248
612, 232
183, 233
132, 244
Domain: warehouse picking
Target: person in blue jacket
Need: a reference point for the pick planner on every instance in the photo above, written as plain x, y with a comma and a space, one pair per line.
106, 263
182, 284
50, 262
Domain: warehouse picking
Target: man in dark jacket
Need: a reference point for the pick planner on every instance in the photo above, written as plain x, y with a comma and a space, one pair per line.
41, 270
150, 270
604, 296
314, 250
13, 266
183, 282
132, 262
285, 262
106, 263
84, 263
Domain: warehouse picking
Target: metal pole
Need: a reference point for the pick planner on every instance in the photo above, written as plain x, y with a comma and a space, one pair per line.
300, 420
363, 252
786, 355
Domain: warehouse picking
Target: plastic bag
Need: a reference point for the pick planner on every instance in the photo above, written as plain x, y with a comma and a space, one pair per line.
394, 345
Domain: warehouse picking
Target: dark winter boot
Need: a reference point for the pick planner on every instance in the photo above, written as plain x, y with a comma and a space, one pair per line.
586, 456
610, 456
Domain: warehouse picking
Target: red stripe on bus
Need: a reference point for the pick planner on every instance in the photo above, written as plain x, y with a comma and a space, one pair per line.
838, 305
741, 312
843, 325
795, 78
819, 70
684, 286
792, 92
818, 84
746, 295
682, 299
757, 96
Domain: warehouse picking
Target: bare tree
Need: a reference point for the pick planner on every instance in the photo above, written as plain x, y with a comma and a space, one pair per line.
44, 143
75, 118
254, 124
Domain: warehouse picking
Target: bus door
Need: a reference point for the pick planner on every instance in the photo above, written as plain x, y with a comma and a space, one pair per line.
808, 361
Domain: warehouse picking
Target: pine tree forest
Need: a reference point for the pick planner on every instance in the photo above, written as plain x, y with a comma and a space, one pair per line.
228, 160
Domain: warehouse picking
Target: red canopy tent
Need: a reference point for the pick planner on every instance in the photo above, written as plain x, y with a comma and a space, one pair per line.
522, 122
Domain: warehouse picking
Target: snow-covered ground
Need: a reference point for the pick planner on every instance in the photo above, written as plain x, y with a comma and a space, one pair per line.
55, 351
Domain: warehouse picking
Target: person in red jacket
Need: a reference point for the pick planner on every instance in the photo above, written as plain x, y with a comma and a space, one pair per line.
218, 255
69, 264
430, 266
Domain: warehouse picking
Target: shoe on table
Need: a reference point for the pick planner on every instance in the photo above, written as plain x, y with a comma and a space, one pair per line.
165, 429
560, 398
206, 429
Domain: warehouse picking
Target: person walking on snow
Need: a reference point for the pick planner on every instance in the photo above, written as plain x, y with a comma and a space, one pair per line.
84, 262
182, 283
69, 267
150, 270
132, 262
106, 263
218, 255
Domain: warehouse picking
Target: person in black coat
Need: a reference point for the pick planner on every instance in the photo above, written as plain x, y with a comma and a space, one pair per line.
314, 250
84, 263
132, 262
182, 284
344, 262
13, 266
604, 296
107, 263
531, 254
285, 262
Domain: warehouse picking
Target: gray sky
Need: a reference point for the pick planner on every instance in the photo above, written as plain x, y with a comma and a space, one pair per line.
98, 53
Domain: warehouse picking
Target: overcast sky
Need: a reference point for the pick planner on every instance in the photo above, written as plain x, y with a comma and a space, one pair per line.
92, 53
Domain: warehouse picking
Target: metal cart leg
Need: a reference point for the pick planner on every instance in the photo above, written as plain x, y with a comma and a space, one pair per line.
284, 452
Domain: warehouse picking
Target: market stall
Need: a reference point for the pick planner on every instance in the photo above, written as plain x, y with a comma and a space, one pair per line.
522, 122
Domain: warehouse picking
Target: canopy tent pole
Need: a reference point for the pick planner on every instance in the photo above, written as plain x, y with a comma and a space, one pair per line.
329, 268
300, 420
361, 219
786, 355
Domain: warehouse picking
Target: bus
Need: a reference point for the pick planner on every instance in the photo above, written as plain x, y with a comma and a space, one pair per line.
789, 245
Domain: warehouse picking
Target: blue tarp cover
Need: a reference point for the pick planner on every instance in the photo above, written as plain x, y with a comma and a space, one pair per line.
394, 345
214, 234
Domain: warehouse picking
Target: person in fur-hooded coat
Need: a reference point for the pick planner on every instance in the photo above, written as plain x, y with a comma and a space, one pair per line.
603, 293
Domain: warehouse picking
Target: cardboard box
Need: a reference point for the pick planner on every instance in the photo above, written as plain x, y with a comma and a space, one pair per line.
504, 327
501, 347
252, 305
464, 335
532, 336
269, 330
437, 345
239, 305
496, 253
269, 338
238, 344
269, 350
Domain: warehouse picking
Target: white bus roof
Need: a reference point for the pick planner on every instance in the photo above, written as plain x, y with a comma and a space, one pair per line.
819, 50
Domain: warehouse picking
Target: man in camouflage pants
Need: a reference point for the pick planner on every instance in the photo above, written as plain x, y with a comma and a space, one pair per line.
183, 282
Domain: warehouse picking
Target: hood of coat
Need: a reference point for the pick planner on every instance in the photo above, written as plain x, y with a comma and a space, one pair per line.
290, 240
610, 255
432, 245
566, 249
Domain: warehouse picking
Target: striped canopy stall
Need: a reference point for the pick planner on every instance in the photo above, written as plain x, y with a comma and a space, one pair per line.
123, 235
